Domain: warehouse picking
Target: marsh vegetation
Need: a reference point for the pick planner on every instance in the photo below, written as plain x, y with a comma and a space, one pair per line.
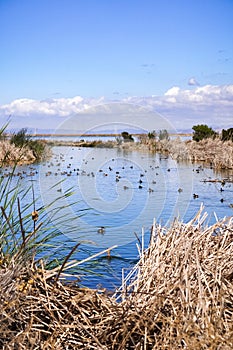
179, 295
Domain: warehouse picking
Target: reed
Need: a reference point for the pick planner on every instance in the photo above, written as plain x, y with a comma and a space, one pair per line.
214, 152
178, 296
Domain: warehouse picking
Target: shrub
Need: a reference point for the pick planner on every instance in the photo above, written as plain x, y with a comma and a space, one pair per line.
163, 135
227, 135
127, 137
22, 139
151, 135
203, 131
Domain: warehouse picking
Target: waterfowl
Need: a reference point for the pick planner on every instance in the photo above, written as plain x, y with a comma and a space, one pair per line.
101, 230
195, 196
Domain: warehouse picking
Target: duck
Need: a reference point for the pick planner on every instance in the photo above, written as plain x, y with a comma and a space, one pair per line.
101, 230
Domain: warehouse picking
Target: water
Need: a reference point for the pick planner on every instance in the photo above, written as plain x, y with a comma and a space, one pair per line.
116, 193
72, 138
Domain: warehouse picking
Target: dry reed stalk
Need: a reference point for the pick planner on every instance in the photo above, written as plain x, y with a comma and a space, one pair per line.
184, 286
11, 154
178, 296
211, 151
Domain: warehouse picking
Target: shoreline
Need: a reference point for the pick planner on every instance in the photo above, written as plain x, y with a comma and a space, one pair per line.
212, 152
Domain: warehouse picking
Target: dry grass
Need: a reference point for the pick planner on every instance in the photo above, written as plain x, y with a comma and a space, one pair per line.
10, 154
211, 151
183, 288
178, 296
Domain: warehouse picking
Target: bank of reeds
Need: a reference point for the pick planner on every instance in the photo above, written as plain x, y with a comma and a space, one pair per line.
178, 296
11, 154
19, 148
214, 152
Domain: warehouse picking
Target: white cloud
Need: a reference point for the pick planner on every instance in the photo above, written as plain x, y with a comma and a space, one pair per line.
193, 82
174, 91
183, 107
62, 107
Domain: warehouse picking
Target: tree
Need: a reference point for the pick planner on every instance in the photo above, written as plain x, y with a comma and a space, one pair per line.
203, 131
227, 134
163, 135
127, 137
151, 135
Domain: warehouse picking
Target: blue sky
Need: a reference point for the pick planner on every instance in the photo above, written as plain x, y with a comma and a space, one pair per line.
135, 50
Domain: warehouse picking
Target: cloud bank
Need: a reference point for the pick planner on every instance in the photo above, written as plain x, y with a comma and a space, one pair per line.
209, 104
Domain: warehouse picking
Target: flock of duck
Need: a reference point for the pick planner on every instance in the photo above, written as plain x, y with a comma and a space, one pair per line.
59, 167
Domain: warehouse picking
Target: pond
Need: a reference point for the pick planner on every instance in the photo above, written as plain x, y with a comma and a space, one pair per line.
116, 193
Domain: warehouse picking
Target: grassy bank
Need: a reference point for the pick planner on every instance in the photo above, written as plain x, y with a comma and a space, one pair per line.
178, 296
214, 152
20, 148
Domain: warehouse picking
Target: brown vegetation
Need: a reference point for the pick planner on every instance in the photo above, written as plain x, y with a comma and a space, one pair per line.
214, 152
11, 154
178, 296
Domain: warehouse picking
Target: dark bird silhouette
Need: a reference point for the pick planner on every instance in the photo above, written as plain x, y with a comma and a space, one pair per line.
101, 230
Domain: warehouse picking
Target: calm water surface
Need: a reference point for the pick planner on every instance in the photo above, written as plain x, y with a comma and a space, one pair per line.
117, 193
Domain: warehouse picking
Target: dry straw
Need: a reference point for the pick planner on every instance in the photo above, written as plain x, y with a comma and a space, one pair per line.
211, 151
178, 296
